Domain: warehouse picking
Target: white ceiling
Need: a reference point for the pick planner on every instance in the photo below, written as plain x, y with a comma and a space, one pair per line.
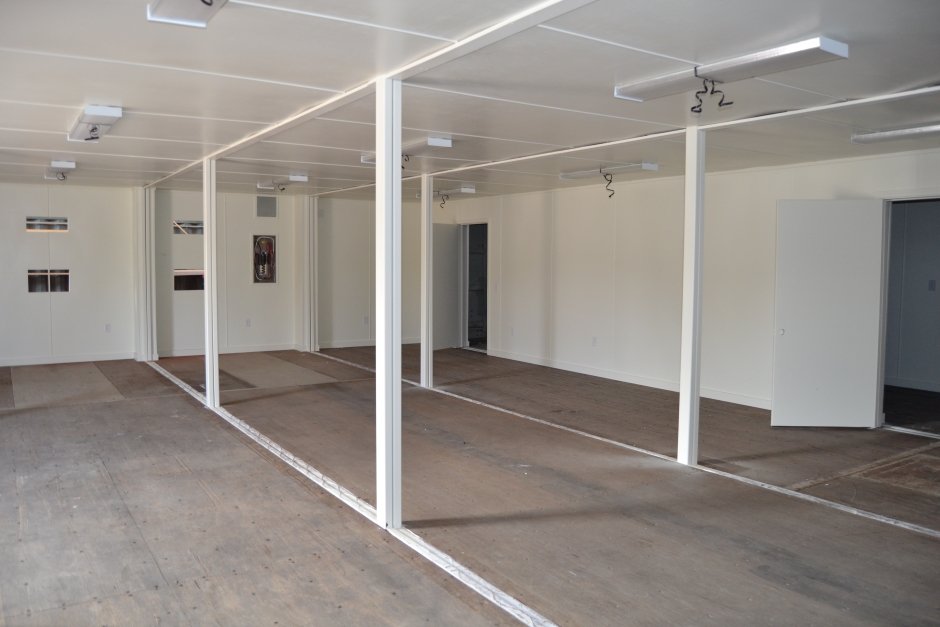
188, 92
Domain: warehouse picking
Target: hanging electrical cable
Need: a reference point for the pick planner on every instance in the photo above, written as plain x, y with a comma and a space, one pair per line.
444, 198
610, 179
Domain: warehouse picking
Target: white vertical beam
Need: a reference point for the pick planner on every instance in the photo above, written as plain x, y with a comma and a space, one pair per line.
315, 270
388, 301
145, 303
308, 274
427, 281
210, 230
690, 362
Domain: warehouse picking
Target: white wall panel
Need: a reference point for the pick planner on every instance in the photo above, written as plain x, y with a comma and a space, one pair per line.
648, 282
98, 252
410, 272
26, 328
583, 256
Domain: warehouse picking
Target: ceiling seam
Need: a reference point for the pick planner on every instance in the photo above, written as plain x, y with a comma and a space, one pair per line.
324, 16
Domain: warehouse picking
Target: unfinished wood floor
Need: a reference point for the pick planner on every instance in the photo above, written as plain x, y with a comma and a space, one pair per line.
592, 534
123, 502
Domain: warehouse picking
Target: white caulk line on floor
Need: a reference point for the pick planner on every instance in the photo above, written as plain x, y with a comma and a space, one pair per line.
509, 604
760, 484
923, 434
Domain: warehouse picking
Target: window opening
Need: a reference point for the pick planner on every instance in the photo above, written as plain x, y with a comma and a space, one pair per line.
187, 227
187, 280
47, 225
47, 280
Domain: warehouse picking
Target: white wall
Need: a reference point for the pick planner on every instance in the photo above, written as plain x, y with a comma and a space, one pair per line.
97, 250
571, 265
346, 272
271, 308
913, 346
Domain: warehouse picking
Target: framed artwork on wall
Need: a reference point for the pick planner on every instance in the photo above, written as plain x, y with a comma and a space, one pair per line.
265, 259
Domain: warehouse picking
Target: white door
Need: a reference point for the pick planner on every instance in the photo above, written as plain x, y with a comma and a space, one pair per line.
828, 355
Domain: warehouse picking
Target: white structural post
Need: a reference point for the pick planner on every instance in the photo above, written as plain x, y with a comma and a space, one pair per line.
690, 361
427, 281
309, 274
144, 274
388, 301
211, 284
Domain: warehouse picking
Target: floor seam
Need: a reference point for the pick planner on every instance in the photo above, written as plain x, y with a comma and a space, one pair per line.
442, 560
753, 482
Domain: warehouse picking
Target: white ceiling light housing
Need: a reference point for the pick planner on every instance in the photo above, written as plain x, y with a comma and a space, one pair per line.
58, 170
415, 148
94, 122
465, 188
184, 12
614, 169
282, 181
895, 135
789, 57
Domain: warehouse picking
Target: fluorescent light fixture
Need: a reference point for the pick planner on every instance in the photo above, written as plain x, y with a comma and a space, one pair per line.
94, 122
465, 188
184, 12
614, 169
789, 57
895, 135
282, 181
415, 148
58, 170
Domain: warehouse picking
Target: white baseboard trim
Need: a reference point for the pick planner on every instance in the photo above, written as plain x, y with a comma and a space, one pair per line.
228, 350
355, 343
659, 384
63, 359
916, 385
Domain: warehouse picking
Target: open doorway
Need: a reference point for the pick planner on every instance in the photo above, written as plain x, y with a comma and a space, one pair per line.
476, 286
912, 343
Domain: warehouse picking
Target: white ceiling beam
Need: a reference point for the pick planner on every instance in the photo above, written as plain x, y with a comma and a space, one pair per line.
541, 12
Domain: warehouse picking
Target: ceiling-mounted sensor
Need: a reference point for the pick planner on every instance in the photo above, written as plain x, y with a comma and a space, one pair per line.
415, 148
282, 182
93, 123
184, 12
58, 170
614, 169
465, 188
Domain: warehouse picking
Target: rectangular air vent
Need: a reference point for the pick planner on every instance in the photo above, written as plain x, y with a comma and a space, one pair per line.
47, 280
267, 206
187, 227
185, 280
47, 225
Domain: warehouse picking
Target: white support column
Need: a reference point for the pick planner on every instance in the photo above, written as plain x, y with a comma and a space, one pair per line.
210, 257
144, 275
690, 361
308, 225
388, 301
427, 281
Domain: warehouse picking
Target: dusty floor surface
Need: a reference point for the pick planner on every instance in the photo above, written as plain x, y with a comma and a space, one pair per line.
591, 534
123, 502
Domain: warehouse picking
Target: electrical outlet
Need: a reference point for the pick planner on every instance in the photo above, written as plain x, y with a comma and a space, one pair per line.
365, 320
247, 322
107, 327
593, 341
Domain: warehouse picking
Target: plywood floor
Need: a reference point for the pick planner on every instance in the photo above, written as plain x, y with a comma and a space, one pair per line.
592, 534
123, 502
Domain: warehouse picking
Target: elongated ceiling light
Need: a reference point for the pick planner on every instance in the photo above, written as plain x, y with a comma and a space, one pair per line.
415, 148
586, 174
282, 182
901, 133
184, 12
93, 123
465, 188
789, 57
59, 170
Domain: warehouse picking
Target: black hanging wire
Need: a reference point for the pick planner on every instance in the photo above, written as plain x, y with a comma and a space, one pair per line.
721, 103
93, 131
698, 96
610, 179
208, 3
405, 159
444, 198
61, 176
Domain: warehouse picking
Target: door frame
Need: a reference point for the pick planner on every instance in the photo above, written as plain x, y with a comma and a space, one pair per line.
463, 280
